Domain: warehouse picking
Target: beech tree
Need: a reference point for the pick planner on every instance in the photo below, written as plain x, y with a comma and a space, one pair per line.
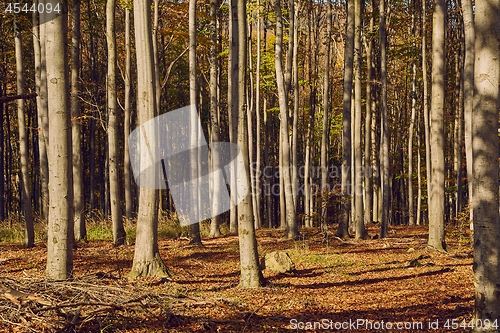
485, 153
147, 260
343, 228
436, 195
23, 142
115, 202
60, 224
250, 273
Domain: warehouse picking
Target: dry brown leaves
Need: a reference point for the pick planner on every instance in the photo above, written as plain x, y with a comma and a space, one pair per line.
342, 285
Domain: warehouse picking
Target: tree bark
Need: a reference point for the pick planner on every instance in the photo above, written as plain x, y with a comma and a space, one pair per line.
116, 212
250, 273
42, 112
126, 121
437, 196
80, 229
485, 152
326, 110
384, 135
292, 227
194, 228
343, 228
29, 240
214, 112
361, 232
147, 260
468, 66
60, 229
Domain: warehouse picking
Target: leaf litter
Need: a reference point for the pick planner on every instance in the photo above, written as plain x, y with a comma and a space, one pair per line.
336, 282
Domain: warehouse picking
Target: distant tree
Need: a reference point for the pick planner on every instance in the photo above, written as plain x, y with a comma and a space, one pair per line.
112, 128
285, 173
127, 183
325, 133
343, 228
76, 129
384, 133
468, 90
357, 189
485, 150
23, 142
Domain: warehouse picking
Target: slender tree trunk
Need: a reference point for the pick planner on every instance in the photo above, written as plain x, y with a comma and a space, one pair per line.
80, 229
250, 274
326, 110
419, 176
60, 229
232, 98
437, 195
361, 232
29, 240
126, 122
367, 169
485, 152
413, 66
384, 135
116, 213
195, 227
425, 104
295, 119
468, 66
292, 231
42, 112
457, 142
258, 185
343, 228
214, 111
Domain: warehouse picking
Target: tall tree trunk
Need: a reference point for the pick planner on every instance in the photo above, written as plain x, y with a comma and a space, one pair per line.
232, 98
468, 66
126, 121
326, 110
60, 229
437, 197
250, 273
384, 135
29, 240
291, 220
80, 229
258, 185
457, 142
413, 66
367, 169
114, 189
42, 112
147, 260
425, 104
295, 119
343, 228
485, 152
361, 232
214, 112
194, 228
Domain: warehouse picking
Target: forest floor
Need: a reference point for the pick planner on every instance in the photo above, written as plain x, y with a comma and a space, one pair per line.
395, 284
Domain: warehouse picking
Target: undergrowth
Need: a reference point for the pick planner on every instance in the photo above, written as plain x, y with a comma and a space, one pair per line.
99, 228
